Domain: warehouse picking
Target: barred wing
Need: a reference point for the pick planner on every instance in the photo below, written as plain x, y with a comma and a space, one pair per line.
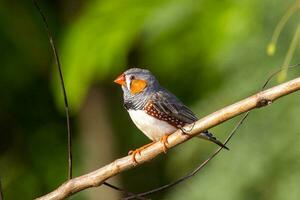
166, 103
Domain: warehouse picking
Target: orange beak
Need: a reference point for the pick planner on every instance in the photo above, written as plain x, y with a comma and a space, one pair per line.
120, 80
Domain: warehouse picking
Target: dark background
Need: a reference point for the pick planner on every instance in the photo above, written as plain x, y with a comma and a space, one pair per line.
209, 53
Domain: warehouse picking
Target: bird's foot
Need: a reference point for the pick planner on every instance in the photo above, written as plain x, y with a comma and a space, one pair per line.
164, 141
138, 151
185, 131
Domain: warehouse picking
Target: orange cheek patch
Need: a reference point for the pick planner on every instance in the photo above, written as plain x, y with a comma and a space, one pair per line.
137, 86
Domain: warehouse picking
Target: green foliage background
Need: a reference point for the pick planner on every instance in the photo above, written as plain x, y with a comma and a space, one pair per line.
209, 53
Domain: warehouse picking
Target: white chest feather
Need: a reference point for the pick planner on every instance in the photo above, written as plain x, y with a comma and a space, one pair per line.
153, 128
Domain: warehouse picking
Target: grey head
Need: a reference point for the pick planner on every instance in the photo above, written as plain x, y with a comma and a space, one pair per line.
139, 86
139, 74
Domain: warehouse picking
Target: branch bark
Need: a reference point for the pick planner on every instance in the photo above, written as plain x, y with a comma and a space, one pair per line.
97, 177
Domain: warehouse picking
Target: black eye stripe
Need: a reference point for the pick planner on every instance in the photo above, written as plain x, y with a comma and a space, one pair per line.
132, 77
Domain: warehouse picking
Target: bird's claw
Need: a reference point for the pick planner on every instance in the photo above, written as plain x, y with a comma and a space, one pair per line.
164, 141
133, 153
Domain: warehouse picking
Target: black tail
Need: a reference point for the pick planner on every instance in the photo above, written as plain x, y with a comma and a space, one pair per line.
209, 136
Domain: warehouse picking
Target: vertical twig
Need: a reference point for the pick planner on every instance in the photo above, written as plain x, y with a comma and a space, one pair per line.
62, 86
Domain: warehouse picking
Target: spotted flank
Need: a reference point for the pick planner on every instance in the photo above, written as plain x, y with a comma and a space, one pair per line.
152, 110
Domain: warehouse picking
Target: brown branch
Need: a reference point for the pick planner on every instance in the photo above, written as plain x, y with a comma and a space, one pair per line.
96, 178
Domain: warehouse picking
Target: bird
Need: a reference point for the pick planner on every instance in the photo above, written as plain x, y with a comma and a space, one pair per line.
155, 110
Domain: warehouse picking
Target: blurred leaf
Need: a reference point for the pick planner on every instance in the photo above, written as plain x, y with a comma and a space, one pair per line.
98, 42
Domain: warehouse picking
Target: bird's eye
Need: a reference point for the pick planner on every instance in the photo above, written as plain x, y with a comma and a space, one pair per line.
132, 77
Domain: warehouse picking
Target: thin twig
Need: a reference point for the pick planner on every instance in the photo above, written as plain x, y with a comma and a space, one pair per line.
124, 191
62, 86
277, 72
97, 177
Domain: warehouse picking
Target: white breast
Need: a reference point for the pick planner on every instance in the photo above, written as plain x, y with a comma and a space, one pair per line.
153, 128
